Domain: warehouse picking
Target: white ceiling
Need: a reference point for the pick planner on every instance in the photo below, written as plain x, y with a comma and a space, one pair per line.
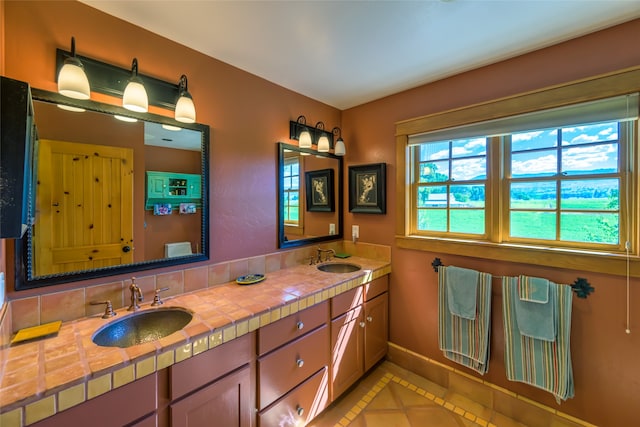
346, 53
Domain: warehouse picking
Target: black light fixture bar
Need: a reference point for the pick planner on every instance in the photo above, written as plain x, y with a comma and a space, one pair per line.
111, 80
295, 128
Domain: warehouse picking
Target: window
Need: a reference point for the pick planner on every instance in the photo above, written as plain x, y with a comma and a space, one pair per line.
534, 176
291, 187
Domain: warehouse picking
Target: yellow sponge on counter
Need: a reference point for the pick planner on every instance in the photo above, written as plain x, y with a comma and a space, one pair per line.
37, 331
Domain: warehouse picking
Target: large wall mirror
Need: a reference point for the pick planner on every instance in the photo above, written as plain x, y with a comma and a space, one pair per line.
310, 193
115, 192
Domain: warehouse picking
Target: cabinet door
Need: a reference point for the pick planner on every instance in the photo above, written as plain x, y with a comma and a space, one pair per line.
224, 403
376, 331
156, 185
347, 335
194, 186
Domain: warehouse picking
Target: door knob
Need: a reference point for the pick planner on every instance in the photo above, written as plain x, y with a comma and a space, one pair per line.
126, 249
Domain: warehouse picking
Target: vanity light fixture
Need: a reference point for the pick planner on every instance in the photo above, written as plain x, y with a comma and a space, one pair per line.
135, 96
338, 149
72, 80
125, 118
185, 110
308, 136
171, 128
323, 141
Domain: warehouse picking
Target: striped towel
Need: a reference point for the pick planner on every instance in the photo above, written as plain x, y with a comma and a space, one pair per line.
465, 341
542, 364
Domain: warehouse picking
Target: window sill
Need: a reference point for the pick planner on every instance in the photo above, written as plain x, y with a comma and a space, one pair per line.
598, 262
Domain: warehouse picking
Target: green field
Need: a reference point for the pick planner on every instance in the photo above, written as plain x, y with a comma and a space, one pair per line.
583, 226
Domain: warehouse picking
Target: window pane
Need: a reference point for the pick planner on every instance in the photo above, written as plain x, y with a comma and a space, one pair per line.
590, 159
595, 194
471, 196
432, 197
434, 171
467, 221
533, 225
468, 169
469, 147
533, 195
434, 151
590, 133
546, 138
536, 163
432, 219
587, 227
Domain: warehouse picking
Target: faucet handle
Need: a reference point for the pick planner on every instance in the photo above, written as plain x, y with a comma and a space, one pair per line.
108, 311
156, 297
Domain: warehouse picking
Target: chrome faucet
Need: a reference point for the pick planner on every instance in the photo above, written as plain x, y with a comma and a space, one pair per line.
327, 251
136, 295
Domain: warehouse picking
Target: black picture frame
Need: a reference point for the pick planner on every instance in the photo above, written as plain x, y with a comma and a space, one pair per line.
319, 190
367, 188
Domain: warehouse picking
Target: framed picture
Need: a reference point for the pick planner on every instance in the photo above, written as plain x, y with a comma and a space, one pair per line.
367, 188
319, 190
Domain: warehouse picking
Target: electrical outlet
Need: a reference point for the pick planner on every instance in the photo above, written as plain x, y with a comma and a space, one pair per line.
332, 229
355, 231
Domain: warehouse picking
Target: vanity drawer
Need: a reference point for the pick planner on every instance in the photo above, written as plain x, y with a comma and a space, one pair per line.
376, 287
300, 405
291, 327
344, 302
285, 368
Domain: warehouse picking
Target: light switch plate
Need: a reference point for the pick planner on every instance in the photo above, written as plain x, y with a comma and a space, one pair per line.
355, 231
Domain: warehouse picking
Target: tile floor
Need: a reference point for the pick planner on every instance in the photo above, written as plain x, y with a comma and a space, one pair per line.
391, 396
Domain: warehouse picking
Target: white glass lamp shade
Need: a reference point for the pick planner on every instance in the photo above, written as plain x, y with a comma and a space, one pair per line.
72, 80
304, 140
135, 97
323, 144
339, 149
185, 110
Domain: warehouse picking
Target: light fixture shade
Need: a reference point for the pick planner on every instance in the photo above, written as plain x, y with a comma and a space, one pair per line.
135, 96
323, 144
185, 110
339, 149
72, 80
304, 140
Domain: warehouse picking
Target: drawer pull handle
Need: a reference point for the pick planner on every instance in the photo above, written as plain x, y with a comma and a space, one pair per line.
369, 319
300, 411
300, 363
362, 324
299, 325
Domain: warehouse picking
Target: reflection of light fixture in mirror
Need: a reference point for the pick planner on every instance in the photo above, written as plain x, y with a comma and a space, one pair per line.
72, 80
135, 96
125, 118
171, 128
70, 108
323, 141
185, 110
338, 149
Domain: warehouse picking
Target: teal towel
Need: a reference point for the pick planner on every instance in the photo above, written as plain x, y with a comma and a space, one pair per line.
466, 341
535, 309
540, 363
462, 288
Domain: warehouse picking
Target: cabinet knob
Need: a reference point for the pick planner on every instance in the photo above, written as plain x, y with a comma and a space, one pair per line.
300, 411
362, 324
299, 325
300, 363
369, 319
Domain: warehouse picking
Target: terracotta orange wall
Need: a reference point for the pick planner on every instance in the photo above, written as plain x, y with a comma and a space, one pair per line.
247, 115
605, 359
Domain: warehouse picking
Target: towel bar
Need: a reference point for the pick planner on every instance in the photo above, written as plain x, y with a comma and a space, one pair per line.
581, 286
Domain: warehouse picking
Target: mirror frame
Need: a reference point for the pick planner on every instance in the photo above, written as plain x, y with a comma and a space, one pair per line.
22, 263
282, 243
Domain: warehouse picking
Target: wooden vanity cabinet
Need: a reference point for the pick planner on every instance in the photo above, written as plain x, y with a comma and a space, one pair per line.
122, 406
293, 374
359, 333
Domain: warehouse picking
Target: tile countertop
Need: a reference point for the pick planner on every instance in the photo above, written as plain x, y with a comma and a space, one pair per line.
55, 373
